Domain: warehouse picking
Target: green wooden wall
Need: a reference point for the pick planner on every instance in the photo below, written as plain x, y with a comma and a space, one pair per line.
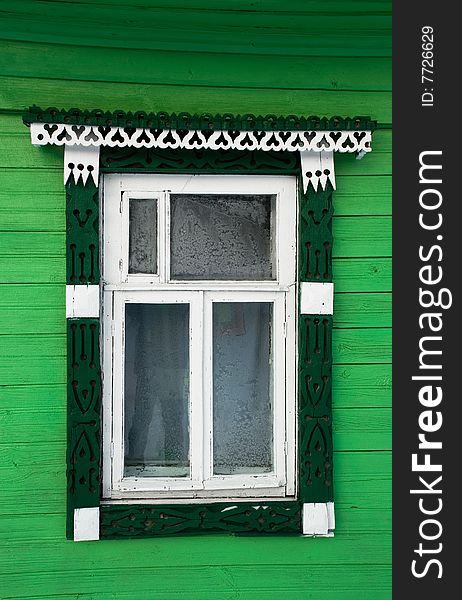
323, 57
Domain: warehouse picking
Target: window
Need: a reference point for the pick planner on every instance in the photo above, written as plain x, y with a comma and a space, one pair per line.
199, 337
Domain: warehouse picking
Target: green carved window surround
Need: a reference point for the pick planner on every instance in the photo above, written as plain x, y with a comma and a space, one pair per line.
315, 449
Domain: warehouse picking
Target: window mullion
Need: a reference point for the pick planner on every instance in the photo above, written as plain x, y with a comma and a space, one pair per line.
196, 387
207, 390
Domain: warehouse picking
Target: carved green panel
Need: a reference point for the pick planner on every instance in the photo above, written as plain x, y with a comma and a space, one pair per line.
82, 257
315, 408
242, 517
315, 232
198, 161
186, 121
83, 415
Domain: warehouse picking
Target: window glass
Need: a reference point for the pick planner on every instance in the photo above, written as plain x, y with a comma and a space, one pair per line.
242, 388
157, 390
221, 237
142, 236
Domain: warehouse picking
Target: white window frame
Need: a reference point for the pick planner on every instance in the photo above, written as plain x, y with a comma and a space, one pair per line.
120, 288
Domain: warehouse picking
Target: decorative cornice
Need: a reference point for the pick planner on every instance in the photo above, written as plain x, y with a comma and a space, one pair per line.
202, 122
60, 134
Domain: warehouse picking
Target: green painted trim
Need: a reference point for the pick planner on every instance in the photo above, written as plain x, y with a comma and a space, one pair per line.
155, 160
315, 235
315, 357
82, 234
83, 416
186, 121
242, 517
315, 455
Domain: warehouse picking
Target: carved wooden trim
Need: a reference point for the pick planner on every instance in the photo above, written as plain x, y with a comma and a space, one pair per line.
241, 517
83, 416
315, 357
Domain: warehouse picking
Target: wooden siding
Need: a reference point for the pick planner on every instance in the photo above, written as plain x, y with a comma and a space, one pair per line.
303, 57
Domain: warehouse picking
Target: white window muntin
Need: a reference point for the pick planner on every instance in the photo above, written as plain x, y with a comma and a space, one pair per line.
195, 301
201, 483
200, 399
118, 189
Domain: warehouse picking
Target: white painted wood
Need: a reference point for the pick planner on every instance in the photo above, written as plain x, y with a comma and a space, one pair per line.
291, 141
107, 332
86, 524
317, 168
121, 288
124, 211
119, 188
82, 301
81, 163
120, 483
318, 519
291, 347
316, 298
330, 516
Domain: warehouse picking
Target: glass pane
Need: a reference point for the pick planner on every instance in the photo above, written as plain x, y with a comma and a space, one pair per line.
156, 390
142, 236
242, 388
221, 237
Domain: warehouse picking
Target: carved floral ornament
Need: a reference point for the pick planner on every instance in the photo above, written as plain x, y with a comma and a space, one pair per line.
316, 147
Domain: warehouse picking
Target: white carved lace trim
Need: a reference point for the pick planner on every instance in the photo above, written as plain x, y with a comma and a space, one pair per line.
292, 141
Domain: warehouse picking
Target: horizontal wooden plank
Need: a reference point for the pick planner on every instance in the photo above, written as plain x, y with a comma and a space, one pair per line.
175, 582
349, 346
354, 386
219, 549
355, 195
361, 385
212, 68
362, 429
362, 274
32, 269
299, 6
361, 346
34, 480
362, 310
43, 417
18, 93
350, 275
359, 195
19, 312
361, 236
354, 237
255, 29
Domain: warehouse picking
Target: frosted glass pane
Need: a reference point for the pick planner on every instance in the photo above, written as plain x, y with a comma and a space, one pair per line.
242, 388
142, 236
221, 237
156, 390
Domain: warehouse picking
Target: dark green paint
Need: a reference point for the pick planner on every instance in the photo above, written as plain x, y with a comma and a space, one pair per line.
83, 416
156, 160
315, 408
315, 235
186, 121
82, 233
241, 517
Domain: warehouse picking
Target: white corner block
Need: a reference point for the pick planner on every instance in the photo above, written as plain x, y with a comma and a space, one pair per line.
316, 298
82, 301
317, 168
81, 162
318, 519
86, 524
